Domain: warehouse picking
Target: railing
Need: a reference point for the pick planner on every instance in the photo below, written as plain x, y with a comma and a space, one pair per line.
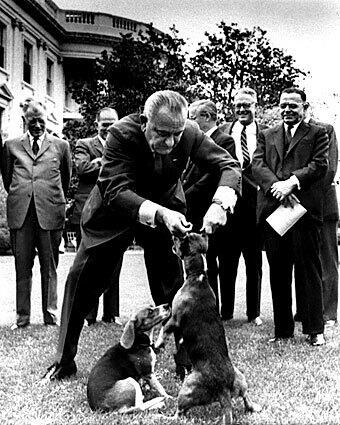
125, 24
80, 17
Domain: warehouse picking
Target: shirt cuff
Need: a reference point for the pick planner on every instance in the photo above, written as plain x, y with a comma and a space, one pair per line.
294, 180
147, 212
226, 197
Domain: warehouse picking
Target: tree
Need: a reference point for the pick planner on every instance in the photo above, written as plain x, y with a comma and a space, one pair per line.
128, 74
240, 57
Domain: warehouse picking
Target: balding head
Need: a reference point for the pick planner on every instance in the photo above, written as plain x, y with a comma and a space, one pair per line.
204, 112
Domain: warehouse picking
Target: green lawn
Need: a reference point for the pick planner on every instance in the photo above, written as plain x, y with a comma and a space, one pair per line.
295, 383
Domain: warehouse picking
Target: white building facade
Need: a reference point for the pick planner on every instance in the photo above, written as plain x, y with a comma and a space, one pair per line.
42, 49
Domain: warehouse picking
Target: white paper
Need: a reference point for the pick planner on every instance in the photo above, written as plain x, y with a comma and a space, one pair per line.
283, 218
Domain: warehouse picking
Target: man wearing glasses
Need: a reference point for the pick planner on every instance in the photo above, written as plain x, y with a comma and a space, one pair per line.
241, 234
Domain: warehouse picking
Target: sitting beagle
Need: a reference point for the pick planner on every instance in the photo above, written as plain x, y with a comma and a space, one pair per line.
195, 318
113, 382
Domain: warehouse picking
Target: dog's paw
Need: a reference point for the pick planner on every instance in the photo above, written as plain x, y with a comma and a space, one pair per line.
254, 407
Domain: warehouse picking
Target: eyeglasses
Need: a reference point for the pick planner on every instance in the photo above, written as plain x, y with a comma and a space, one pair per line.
243, 105
290, 105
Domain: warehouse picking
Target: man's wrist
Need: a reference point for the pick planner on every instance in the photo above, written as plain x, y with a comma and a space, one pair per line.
220, 203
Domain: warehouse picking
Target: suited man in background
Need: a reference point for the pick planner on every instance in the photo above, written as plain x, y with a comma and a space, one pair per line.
139, 193
329, 235
289, 164
241, 231
199, 188
36, 173
88, 158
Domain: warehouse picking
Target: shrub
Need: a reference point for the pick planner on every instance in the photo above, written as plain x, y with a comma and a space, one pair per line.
5, 245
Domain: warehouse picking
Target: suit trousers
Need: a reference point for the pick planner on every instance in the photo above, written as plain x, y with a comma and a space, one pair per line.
110, 296
329, 263
110, 300
84, 284
239, 236
330, 277
25, 241
300, 246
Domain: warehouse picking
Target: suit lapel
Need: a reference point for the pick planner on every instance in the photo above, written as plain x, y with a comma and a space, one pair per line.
278, 135
301, 131
98, 145
45, 145
27, 145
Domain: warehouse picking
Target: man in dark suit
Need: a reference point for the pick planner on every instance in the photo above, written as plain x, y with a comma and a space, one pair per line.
241, 231
329, 237
289, 163
88, 157
36, 173
139, 193
199, 189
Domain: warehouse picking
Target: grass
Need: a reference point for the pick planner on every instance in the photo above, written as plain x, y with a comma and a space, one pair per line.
295, 383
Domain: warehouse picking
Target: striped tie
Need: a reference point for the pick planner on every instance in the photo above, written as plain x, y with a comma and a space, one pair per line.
245, 152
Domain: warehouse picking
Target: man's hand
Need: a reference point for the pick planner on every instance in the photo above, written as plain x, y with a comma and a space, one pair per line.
174, 221
282, 189
290, 201
215, 216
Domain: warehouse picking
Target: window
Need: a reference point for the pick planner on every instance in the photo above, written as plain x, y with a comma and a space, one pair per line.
49, 77
27, 77
2, 44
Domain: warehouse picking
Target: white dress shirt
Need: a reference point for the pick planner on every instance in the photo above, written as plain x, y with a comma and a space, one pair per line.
39, 141
251, 132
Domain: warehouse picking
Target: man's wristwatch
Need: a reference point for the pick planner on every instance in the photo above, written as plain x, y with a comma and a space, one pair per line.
220, 203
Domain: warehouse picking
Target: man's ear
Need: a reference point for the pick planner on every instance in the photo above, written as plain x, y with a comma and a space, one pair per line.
143, 121
306, 106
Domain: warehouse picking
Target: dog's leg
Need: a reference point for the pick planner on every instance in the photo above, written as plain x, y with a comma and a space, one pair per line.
240, 389
157, 386
225, 402
164, 334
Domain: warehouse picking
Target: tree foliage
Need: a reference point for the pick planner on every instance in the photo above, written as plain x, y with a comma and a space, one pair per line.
131, 71
236, 57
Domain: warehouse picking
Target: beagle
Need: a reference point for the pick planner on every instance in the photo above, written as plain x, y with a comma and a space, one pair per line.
196, 320
113, 381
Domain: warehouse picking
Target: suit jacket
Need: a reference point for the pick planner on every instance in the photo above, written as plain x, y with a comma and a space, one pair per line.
45, 178
128, 177
199, 188
86, 150
306, 158
249, 185
330, 201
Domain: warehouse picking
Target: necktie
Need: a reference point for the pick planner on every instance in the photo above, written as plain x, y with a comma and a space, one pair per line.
245, 152
35, 146
289, 136
158, 164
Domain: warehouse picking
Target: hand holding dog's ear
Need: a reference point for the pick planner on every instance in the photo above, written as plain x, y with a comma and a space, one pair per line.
174, 221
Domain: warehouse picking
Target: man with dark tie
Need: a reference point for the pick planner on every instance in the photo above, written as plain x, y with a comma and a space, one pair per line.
139, 193
36, 170
241, 232
289, 164
88, 158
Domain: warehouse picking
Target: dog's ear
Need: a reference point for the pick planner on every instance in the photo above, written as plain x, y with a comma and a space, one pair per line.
128, 336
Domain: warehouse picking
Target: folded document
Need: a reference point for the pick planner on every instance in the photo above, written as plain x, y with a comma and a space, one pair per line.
283, 218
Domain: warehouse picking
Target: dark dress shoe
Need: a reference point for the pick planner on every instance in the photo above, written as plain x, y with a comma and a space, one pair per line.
297, 318
57, 372
107, 319
90, 322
